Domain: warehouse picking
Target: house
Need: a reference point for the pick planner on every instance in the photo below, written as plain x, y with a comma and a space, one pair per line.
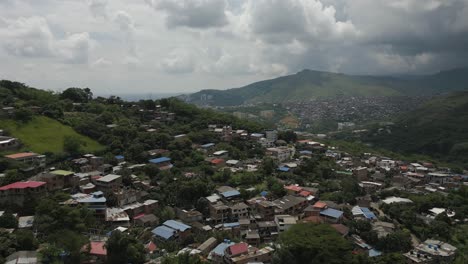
117, 217
29, 257
171, 230
439, 178
8, 143
228, 192
163, 163
109, 182
219, 212
239, 211
284, 222
267, 230
290, 205
189, 216
360, 173
394, 199
363, 213
266, 210
332, 215
97, 250
280, 153
342, 229
25, 221
217, 162
216, 256
59, 179
93, 201
221, 154
293, 189
383, 228
253, 255
146, 220
18, 192
207, 246
432, 251
29, 158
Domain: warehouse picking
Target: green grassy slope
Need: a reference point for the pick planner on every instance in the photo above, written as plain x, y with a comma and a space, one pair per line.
309, 84
43, 134
439, 128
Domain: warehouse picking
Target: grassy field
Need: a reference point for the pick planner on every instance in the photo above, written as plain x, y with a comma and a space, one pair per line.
43, 134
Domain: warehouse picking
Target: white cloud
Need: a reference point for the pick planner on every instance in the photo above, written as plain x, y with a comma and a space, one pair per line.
192, 13
179, 61
98, 8
29, 37
101, 63
32, 37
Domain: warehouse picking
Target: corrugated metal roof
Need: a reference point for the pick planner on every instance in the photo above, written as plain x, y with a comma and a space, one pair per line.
230, 193
164, 232
160, 160
332, 213
176, 225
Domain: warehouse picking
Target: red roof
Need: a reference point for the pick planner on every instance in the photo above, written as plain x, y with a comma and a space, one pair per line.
293, 188
217, 161
151, 247
22, 185
21, 155
342, 229
305, 193
320, 205
138, 216
313, 219
239, 248
98, 248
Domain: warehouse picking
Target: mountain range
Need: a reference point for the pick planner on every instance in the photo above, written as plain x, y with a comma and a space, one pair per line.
309, 84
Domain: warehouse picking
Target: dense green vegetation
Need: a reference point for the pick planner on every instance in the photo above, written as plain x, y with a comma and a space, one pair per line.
437, 129
42, 134
309, 84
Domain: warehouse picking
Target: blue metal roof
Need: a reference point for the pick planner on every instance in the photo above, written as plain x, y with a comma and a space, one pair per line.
305, 152
374, 253
264, 193
176, 225
208, 145
164, 232
332, 213
283, 169
231, 224
160, 160
119, 157
219, 250
229, 194
368, 213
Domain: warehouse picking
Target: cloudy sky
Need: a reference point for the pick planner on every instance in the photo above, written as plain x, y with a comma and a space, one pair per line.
165, 46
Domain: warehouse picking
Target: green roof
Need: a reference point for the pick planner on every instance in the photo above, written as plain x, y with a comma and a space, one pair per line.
344, 172
62, 172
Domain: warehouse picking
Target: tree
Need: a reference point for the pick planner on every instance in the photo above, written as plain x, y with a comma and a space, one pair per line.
72, 145
288, 136
25, 240
24, 115
77, 95
8, 220
310, 243
123, 248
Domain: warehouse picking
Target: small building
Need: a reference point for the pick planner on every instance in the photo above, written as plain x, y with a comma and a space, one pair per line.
284, 222
207, 246
332, 215
163, 163
19, 257
29, 158
432, 251
109, 182
18, 192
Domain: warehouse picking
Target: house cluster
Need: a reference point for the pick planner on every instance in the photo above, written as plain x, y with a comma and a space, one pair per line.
255, 222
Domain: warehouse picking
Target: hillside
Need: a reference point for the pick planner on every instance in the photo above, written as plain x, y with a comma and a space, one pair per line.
308, 84
43, 134
439, 128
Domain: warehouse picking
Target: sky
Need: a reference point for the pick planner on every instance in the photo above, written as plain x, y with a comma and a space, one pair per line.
171, 46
